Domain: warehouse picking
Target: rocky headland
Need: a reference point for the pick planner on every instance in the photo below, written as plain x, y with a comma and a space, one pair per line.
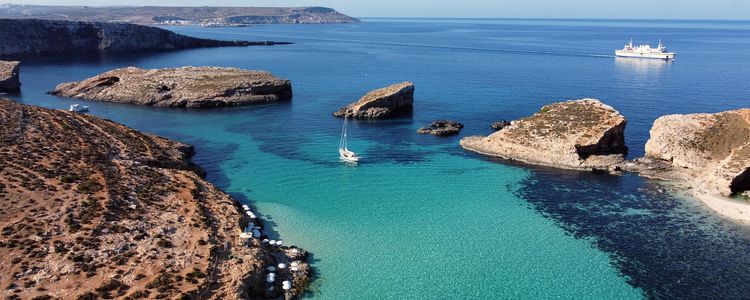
9, 78
581, 134
710, 153
180, 87
30, 36
707, 155
442, 128
166, 15
381, 103
91, 209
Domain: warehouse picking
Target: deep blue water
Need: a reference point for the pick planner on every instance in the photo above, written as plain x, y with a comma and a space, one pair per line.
419, 217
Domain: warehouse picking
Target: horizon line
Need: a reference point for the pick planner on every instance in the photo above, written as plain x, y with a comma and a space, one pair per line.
561, 18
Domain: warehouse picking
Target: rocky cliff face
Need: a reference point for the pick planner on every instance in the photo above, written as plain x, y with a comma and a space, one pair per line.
180, 87
9, 78
47, 36
381, 102
712, 149
582, 134
90, 209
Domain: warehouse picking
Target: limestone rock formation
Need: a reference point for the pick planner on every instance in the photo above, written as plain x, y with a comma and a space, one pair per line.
712, 149
582, 134
442, 128
180, 87
91, 209
381, 103
9, 81
48, 36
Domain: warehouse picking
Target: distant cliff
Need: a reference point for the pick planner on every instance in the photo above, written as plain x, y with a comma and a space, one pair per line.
179, 15
48, 36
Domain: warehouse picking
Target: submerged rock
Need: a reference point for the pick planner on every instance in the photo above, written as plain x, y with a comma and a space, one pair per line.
125, 211
442, 128
499, 125
381, 102
9, 79
710, 150
581, 134
180, 87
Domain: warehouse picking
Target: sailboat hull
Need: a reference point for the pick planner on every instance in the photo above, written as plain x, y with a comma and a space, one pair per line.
347, 155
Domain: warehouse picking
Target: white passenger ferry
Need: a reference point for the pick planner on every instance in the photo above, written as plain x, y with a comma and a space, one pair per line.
645, 51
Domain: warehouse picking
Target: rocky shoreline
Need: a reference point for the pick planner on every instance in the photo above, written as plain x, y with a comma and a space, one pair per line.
93, 209
192, 87
707, 153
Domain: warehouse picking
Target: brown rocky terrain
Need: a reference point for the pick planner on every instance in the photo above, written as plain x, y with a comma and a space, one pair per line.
582, 134
9, 78
381, 103
712, 151
180, 87
90, 209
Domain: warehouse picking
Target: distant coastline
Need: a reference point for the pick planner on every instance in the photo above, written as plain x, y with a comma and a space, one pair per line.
166, 15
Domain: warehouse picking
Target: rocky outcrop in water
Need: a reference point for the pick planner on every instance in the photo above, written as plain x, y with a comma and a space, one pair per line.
91, 209
711, 151
442, 128
381, 103
582, 134
499, 125
149, 15
9, 81
180, 87
47, 36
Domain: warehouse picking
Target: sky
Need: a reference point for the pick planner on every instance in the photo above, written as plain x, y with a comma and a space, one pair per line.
605, 9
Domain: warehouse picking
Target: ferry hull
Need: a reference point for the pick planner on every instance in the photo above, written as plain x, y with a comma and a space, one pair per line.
665, 56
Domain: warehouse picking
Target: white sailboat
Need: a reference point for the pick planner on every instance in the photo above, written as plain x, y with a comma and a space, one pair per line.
78, 108
344, 153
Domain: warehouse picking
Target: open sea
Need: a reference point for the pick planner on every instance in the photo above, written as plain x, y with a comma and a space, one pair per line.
419, 218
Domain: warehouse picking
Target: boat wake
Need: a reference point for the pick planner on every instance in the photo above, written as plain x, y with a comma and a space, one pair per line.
482, 49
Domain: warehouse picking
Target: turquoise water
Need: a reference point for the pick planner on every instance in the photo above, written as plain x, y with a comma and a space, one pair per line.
420, 218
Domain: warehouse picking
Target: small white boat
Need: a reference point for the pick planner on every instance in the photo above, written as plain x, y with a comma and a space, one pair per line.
344, 153
78, 108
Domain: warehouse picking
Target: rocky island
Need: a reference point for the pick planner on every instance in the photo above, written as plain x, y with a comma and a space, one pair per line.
381, 103
48, 36
442, 128
582, 134
91, 209
166, 15
180, 87
9, 81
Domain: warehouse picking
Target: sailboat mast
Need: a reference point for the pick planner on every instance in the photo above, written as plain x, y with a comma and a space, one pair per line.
346, 129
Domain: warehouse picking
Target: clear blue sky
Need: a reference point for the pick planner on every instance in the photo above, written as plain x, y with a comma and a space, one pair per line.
620, 9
